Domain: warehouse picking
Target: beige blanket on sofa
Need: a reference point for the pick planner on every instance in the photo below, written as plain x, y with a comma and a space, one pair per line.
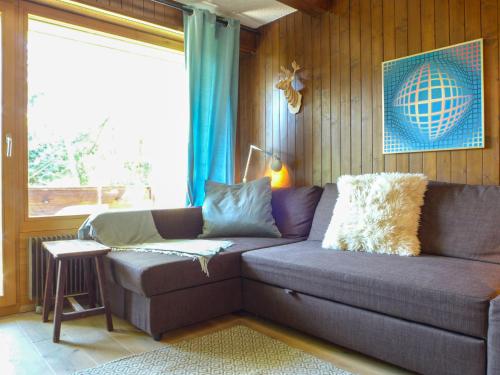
136, 231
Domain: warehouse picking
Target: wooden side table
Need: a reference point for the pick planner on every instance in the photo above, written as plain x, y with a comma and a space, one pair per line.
59, 253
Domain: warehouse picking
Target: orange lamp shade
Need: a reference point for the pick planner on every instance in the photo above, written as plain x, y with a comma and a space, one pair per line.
280, 179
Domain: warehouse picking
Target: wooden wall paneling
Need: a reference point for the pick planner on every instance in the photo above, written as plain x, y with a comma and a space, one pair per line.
267, 49
242, 132
326, 154
335, 94
414, 46
299, 120
442, 39
260, 115
489, 26
283, 111
159, 11
247, 67
377, 58
366, 88
117, 4
169, 17
290, 34
238, 165
345, 89
316, 58
473, 31
104, 3
355, 70
276, 93
427, 24
389, 54
254, 114
307, 97
339, 130
138, 7
457, 35
401, 50
149, 9
128, 6
172, 17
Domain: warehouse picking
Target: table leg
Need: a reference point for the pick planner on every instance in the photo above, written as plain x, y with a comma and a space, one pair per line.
61, 282
102, 288
87, 263
47, 295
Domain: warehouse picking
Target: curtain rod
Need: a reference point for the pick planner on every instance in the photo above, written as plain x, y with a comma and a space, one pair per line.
184, 8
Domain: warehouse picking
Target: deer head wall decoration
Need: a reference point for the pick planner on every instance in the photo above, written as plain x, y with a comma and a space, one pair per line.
293, 97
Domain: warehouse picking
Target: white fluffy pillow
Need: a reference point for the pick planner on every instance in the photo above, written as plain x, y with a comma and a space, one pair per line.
377, 213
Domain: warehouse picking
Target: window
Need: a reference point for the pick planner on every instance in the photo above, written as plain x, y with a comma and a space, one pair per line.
107, 122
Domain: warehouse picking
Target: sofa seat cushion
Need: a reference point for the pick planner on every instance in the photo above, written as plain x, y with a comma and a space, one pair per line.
151, 274
448, 293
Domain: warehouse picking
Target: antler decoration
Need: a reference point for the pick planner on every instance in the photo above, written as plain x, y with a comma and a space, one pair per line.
293, 97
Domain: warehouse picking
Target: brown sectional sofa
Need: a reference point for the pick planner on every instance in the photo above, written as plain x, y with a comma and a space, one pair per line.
434, 314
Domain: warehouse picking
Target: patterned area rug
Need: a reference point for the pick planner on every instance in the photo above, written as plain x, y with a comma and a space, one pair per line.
236, 350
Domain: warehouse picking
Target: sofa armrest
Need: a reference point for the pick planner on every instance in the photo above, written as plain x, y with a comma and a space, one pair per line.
494, 337
179, 222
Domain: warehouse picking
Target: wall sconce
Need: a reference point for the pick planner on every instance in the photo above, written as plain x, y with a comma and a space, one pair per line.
279, 179
276, 164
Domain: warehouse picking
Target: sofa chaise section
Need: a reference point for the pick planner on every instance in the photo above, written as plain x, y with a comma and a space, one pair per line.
159, 292
151, 274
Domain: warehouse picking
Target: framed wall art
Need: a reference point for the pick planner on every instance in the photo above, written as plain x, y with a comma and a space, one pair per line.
434, 100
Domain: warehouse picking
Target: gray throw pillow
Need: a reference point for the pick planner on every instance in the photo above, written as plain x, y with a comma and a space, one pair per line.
242, 210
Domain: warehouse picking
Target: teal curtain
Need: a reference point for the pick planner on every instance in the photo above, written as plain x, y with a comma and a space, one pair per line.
212, 62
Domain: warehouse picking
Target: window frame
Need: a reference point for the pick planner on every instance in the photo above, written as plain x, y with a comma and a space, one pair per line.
8, 14
106, 24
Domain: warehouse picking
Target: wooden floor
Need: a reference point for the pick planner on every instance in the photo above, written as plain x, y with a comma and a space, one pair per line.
26, 344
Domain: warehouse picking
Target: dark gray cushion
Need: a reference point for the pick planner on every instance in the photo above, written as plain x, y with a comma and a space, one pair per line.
242, 210
152, 273
444, 292
324, 212
461, 221
293, 210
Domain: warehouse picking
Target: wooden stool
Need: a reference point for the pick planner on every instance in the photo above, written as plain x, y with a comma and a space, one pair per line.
59, 253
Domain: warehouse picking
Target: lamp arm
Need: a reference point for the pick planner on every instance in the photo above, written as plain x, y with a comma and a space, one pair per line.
250, 151
252, 147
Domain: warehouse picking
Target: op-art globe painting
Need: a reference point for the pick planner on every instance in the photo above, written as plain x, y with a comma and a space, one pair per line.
434, 100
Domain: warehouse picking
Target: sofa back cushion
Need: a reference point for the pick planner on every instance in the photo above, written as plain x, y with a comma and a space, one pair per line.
178, 222
461, 221
324, 212
293, 210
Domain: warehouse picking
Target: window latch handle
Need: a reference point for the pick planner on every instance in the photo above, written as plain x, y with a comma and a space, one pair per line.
8, 144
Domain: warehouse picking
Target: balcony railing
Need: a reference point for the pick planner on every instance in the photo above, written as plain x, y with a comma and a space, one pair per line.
56, 201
